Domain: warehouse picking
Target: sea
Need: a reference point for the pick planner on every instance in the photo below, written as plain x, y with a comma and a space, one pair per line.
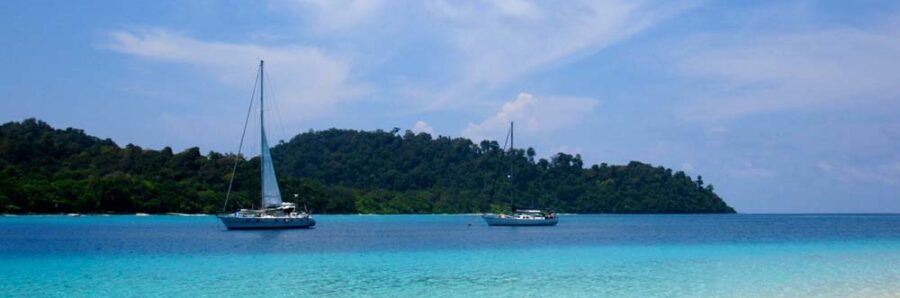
733, 255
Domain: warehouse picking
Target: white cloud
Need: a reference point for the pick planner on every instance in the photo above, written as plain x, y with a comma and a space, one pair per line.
791, 71
501, 41
486, 44
306, 80
533, 116
422, 126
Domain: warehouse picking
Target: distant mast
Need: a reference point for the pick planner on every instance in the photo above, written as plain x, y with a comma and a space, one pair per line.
512, 164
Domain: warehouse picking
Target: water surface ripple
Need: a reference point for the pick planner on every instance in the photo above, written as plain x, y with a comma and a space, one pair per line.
455, 255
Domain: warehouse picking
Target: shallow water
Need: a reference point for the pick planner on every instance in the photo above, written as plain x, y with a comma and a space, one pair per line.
455, 255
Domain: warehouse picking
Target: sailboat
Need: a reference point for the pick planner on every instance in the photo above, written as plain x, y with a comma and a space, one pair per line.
273, 213
520, 216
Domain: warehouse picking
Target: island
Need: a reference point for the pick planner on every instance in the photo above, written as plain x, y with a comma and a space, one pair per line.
334, 171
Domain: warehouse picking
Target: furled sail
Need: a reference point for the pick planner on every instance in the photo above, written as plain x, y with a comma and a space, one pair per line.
271, 195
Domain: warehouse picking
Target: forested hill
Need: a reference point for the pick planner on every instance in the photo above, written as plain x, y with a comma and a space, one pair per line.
46, 170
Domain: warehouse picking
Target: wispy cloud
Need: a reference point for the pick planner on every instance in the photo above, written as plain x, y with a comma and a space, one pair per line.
806, 69
749, 170
333, 15
484, 45
501, 41
716, 130
533, 116
887, 173
308, 80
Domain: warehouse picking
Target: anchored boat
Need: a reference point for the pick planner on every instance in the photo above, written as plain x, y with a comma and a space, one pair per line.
520, 216
274, 213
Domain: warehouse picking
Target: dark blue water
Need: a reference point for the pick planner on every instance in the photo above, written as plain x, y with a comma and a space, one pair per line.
618, 255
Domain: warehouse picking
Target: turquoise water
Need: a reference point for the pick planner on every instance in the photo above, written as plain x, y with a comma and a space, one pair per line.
454, 256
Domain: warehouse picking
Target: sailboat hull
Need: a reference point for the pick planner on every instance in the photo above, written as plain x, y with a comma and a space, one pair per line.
493, 220
266, 223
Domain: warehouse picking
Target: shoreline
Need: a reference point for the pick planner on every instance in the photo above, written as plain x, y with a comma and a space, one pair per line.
429, 214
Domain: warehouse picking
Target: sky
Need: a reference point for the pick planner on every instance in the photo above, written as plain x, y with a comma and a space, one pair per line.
784, 106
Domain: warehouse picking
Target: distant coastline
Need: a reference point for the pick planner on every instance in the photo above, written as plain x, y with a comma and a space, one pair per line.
418, 214
44, 170
462, 214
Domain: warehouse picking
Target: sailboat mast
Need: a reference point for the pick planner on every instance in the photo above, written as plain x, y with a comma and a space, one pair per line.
262, 140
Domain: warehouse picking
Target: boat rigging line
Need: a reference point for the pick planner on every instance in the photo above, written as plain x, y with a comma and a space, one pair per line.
237, 157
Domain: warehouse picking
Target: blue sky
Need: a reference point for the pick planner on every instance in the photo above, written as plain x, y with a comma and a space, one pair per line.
784, 106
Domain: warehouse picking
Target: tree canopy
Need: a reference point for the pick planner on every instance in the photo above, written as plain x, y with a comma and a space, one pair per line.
47, 170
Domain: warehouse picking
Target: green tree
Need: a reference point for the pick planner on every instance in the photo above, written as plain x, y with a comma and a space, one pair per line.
47, 170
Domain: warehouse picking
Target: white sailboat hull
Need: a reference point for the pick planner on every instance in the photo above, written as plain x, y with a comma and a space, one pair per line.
494, 220
251, 223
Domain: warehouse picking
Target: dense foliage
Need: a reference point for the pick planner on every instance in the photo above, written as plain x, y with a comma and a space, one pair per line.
45, 170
